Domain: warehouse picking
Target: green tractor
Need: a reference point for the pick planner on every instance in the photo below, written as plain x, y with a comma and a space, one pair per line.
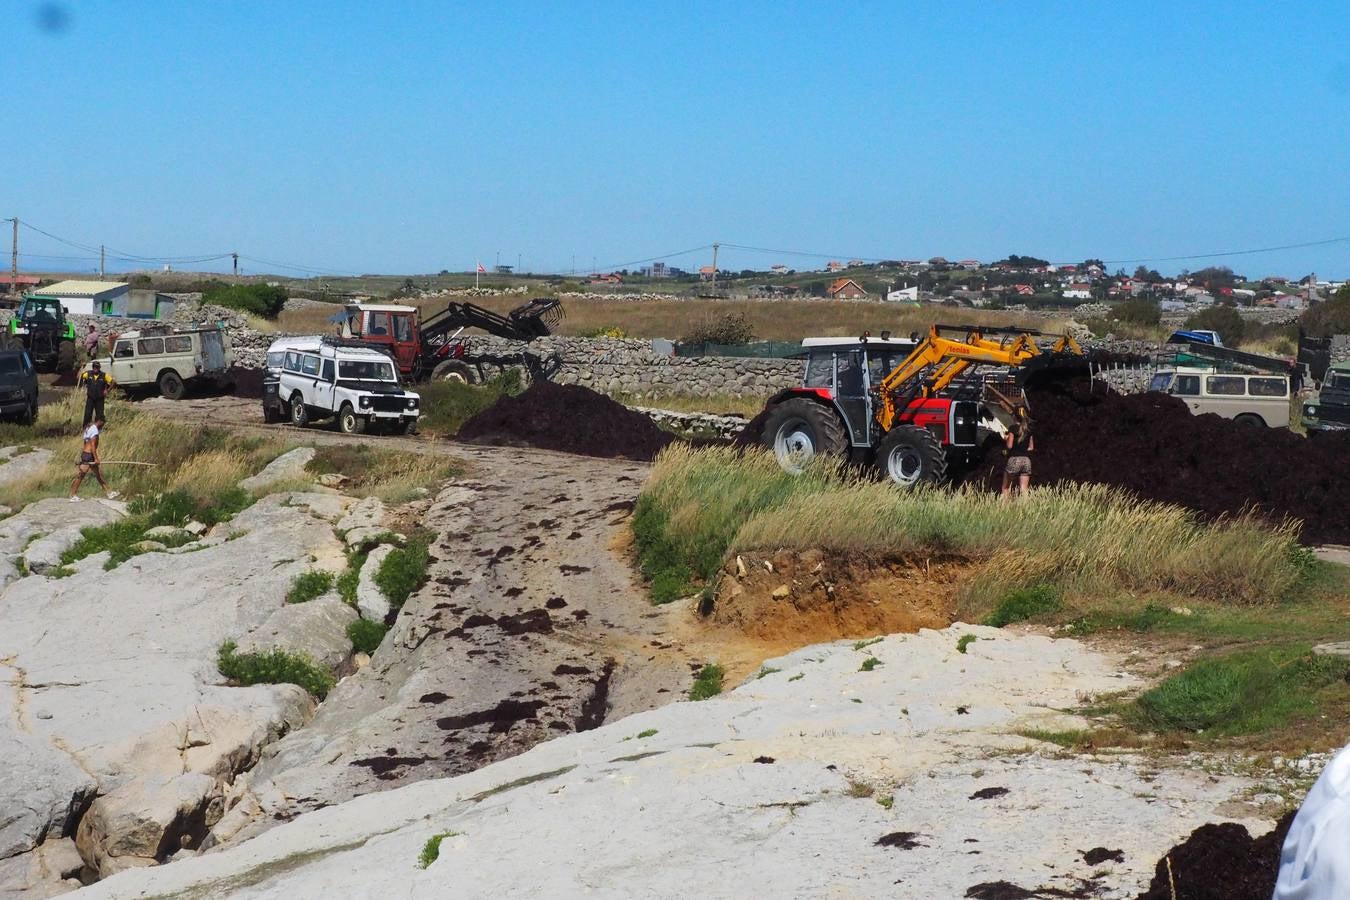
40, 326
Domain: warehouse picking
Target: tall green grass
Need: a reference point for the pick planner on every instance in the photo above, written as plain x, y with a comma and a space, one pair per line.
701, 504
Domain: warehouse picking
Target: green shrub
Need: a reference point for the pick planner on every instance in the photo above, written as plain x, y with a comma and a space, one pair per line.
1241, 693
260, 299
1138, 312
309, 585
273, 667
708, 683
732, 328
965, 641
404, 570
366, 635
1020, 605
1223, 319
869, 664
431, 850
1330, 317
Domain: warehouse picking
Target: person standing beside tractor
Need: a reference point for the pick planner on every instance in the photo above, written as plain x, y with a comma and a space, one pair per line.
97, 383
1018, 445
91, 341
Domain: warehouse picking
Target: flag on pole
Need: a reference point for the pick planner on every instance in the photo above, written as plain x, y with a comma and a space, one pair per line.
481, 269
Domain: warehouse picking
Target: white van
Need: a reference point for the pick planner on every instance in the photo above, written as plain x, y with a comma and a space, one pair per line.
1251, 399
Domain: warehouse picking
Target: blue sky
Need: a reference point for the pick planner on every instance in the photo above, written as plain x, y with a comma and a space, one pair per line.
412, 137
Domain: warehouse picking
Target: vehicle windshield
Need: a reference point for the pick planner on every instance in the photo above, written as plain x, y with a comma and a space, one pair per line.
9, 365
365, 370
275, 359
1336, 379
1161, 382
41, 309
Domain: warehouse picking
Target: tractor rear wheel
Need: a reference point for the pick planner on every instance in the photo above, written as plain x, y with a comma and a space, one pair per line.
453, 370
65, 356
910, 455
798, 430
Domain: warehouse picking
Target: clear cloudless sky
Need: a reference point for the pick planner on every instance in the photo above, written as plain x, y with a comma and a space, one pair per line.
415, 136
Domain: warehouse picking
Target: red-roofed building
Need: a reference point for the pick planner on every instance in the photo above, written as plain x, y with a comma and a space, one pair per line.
845, 289
21, 282
834, 265
706, 272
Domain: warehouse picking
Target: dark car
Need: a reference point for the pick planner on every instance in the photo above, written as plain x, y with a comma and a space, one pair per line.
18, 387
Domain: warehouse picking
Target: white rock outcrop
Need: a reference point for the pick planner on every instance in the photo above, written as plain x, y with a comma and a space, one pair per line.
289, 466
16, 466
370, 600
316, 628
784, 787
108, 679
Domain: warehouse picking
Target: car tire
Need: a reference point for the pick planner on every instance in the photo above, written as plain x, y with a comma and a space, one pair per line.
909, 455
348, 422
406, 426
299, 415
799, 430
29, 415
65, 356
171, 386
1251, 420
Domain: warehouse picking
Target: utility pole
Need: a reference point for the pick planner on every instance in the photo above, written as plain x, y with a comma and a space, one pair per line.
235, 257
101, 258
14, 259
714, 278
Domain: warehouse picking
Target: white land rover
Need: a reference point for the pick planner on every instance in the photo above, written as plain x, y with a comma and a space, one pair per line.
356, 386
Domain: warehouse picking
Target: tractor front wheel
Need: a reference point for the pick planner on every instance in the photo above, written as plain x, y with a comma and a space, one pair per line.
909, 455
453, 370
798, 430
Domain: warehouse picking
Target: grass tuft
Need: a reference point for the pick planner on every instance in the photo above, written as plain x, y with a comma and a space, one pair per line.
1241, 693
273, 667
708, 683
869, 664
1027, 603
404, 570
431, 850
965, 641
309, 585
366, 635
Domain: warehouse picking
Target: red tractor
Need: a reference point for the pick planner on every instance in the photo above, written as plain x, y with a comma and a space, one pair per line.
436, 349
897, 403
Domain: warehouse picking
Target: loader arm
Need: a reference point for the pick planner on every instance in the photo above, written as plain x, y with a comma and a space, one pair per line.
947, 358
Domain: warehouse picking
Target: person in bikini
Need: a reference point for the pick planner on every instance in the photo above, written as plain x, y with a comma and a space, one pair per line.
1017, 447
89, 462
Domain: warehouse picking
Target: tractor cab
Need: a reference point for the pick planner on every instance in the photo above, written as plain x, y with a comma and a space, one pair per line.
846, 373
393, 328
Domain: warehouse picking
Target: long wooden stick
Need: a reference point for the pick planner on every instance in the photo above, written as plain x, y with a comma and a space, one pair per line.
124, 462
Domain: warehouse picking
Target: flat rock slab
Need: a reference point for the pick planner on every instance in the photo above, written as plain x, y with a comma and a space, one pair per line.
107, 676
370, 600
289, 466
779, 780
369, 512
43, 530
317, 629
146, 820
15, 466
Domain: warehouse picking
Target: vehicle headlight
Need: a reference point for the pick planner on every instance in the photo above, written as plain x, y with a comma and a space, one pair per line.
412, 403
365, 401
1310, 410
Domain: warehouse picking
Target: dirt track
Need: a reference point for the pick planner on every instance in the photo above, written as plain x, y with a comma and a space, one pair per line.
531, 625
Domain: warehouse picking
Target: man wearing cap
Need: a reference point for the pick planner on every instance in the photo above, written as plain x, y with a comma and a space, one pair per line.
96, 383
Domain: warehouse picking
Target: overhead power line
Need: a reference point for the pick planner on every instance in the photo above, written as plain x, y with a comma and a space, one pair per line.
1339, 240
